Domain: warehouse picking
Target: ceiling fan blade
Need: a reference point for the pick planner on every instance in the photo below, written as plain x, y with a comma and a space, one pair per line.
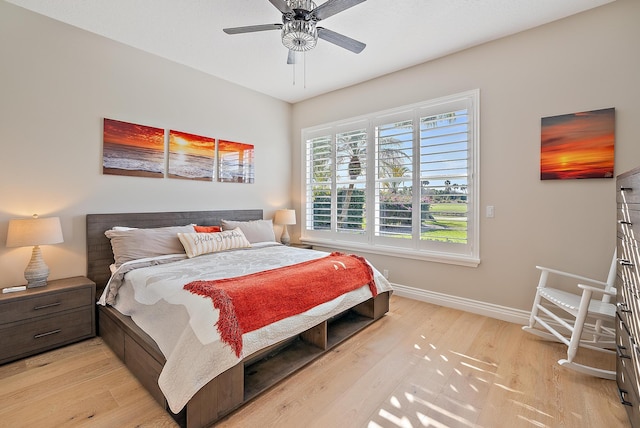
291, 57
340, 40
282, 6
252, 28
331, 7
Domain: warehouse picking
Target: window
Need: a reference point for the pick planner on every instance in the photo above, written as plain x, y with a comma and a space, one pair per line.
403, 181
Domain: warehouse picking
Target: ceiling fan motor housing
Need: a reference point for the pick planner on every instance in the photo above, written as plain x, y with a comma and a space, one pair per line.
299, 28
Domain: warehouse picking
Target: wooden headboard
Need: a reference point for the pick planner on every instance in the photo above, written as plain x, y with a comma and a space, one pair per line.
100, 255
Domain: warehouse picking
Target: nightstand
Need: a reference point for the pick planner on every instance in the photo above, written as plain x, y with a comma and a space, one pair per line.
40, 319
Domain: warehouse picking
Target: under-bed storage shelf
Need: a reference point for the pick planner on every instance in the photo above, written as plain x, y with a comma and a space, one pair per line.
276, 366
246, 380
294, 354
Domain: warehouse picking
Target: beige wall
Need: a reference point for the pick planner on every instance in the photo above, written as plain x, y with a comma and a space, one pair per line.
585, 62
57, 83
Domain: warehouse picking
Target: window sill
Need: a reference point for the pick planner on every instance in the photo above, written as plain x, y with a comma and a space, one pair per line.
430, 256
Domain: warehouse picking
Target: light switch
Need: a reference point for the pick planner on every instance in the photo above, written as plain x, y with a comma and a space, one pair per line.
491, 211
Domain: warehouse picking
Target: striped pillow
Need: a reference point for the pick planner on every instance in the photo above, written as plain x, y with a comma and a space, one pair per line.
196, 244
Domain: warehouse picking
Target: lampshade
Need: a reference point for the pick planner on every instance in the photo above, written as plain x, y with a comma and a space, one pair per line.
35, 232
285, 217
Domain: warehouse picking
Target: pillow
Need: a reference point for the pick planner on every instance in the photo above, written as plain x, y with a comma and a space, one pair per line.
207, 229
134, 244
196, 244
255, 231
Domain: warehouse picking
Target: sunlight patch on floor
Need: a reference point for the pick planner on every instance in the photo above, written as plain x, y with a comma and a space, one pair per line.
449, 381
495, 365
532, 422
395, 402
401, 422
506, 388
426, 421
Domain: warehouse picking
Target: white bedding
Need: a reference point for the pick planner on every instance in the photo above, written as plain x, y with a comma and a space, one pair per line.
183, 324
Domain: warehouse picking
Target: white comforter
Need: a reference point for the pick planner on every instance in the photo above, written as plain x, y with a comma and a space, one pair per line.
183, 324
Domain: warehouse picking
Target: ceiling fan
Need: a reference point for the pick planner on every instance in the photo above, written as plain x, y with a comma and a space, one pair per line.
299, 30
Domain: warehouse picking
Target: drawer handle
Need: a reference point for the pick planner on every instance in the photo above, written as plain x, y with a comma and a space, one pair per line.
625, 222
625, 262
50, 305
623, 325
626, 189
623, 308
49, 333
622, 393
621, 354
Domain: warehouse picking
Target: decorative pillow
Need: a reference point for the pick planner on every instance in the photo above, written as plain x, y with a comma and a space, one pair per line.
196, 244
255, 230
207, 229
134, 244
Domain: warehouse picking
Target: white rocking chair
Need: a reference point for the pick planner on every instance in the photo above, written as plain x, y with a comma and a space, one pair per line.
593, 321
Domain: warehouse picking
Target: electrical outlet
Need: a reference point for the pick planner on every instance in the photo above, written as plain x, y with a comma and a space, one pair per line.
385, 273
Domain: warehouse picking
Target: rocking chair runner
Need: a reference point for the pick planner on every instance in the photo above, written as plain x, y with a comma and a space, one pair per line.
592, 323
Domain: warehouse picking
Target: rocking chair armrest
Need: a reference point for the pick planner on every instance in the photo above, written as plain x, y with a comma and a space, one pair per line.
572, 275
611, 292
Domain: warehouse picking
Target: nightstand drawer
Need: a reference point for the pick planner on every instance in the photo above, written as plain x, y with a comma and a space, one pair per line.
44, 304
45, 333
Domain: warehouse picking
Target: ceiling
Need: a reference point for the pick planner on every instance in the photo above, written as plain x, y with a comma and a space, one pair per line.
398, 34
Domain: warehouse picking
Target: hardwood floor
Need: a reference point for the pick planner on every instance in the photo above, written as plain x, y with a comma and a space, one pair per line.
421, 365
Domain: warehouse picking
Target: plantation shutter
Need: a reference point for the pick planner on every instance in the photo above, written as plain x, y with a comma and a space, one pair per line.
444, 176
397, 182
394, 182
318, 183
351, 180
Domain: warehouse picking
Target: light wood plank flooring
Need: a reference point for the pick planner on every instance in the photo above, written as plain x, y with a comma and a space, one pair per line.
420, 366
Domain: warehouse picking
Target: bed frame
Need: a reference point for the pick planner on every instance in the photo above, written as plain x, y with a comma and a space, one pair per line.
236, 386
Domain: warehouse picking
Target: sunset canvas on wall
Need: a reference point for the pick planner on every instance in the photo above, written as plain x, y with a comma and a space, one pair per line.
131, 149
235, 162
191, 156
578, 145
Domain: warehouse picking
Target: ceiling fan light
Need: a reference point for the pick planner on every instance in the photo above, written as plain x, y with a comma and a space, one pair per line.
299, 36
307, 5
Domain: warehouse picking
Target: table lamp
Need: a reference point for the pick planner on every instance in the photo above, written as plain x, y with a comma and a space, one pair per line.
285, 217
35, 231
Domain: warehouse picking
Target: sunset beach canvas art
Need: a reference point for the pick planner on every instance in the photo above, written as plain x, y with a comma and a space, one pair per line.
578, 145
131, 149
191, 156
235, 162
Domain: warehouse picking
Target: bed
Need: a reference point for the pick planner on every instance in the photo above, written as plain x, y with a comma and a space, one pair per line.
266, 356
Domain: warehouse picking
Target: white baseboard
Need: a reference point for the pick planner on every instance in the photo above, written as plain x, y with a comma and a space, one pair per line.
504, 313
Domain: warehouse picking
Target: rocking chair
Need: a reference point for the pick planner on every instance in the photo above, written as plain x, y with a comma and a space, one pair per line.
592, 321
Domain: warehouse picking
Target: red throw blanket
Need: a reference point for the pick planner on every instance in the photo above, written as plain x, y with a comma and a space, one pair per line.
249, 302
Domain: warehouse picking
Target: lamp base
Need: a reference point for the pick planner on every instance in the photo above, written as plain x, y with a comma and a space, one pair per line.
284, 238
37, 270
36, 283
